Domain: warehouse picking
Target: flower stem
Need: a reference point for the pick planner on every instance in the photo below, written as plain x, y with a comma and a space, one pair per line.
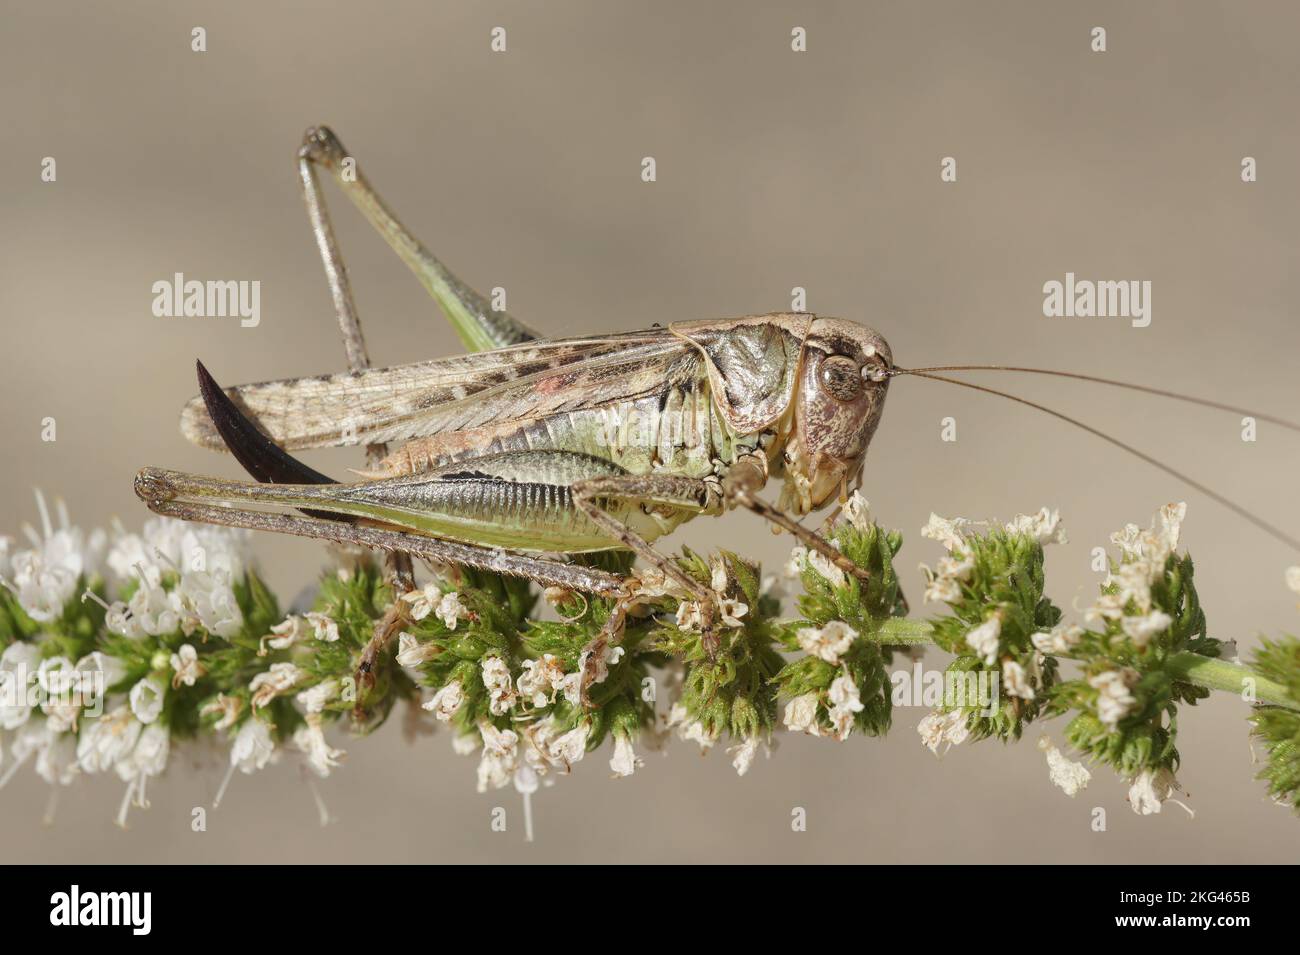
1202, 671
1230, 677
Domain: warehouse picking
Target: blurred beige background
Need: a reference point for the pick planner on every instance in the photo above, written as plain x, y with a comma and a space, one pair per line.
774, 170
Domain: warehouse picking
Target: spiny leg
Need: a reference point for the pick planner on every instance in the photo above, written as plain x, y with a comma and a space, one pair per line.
691, 493
479, 327
160, 490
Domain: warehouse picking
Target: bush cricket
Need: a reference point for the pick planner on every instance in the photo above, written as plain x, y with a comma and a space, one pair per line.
528, 451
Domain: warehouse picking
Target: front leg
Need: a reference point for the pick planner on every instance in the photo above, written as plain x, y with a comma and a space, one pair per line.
747, 476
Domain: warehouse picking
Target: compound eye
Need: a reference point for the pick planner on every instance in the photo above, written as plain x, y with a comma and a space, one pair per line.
840, 377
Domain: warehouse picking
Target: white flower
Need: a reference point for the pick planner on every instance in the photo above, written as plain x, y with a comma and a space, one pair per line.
1153, 545
412, 653
794, 565
97, 673
609, 657
500, 756
985, 639
55, 751
572, 688
322, 627
943, 584
1130, 582
1293, 578
950, 533
61, 716
719, 575
287, 632
61, 682
56, 761
1151, 788
147, 699
125, 553
1060, 639
253, 746
690, 616
45, 578
570, 747
858, 511
829, 642
826, 567
743, 753
228, 706
938, 728
625, 761
1016, 681
30, 738
1044, 527
185, 663
1114, 701
496, 677
181, 545
465, 744
958, 565
447, 701
687, 729
315, 698
1071, 776
731, 611
269, 684
844, 702
551, 748
149, 756
208, 600
110, 669
940, 589
541, 679
18, 672
56, 676
108, 739
151, 611
1142, 629
310, 739
801, 715
423, 601
450, 609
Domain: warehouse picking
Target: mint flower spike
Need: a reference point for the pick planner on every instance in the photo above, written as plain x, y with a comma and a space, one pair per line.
136, 645
991, 580
1277, 727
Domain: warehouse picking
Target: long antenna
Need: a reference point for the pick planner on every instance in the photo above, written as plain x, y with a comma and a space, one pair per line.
1237, 509
1147, 389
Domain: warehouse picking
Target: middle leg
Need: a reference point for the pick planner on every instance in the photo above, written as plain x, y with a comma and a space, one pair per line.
693, 494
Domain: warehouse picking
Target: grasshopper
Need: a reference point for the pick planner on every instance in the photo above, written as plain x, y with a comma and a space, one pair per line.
529, 451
